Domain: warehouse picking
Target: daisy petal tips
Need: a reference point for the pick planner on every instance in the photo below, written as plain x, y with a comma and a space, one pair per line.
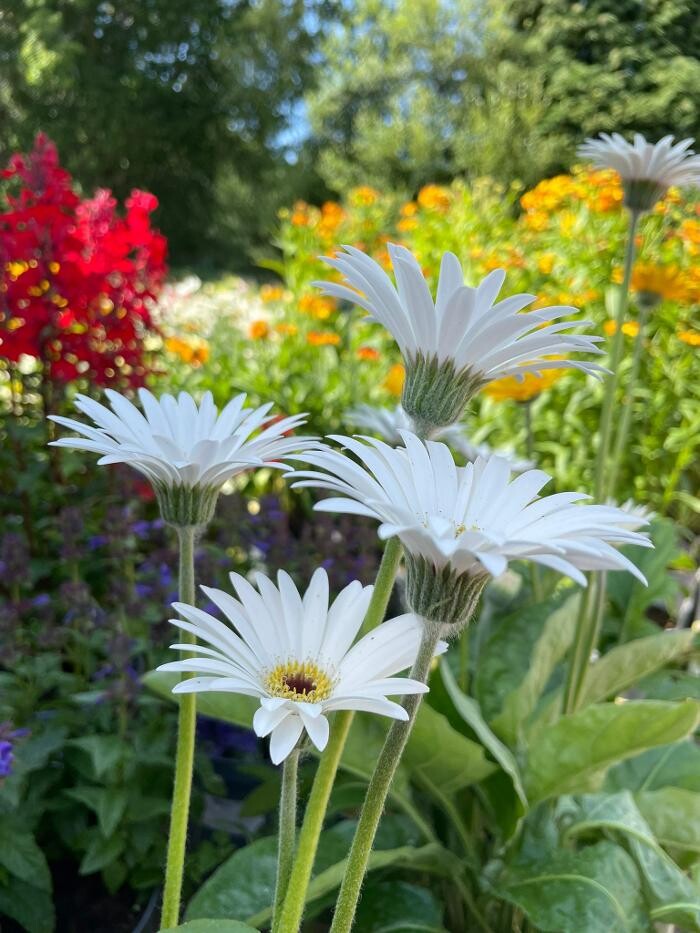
187, 451
454, 345
461, 525
647, 169
295, 654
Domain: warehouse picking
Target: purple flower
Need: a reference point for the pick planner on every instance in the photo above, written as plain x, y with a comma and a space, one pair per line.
6, 758
142, 528
41, 600
96, 541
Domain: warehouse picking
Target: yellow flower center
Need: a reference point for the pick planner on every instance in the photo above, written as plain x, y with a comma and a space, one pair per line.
296, 680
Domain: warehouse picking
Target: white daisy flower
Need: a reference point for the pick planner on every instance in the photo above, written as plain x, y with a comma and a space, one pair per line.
467, 522
187, 451
647, 169
454, 345
390, 422
296, 655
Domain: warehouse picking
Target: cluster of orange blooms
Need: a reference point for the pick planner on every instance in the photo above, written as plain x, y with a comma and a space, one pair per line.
600, 190
192, 350
317, 306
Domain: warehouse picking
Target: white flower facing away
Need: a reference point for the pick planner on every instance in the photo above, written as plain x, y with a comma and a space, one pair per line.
177, 442
470, 519
390, 422
663, 163
296, 655
462, 326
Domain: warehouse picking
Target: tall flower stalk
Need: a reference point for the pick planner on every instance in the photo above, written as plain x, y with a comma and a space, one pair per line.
286, 838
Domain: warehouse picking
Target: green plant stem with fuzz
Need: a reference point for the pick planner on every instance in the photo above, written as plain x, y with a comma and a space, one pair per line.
585, 640
606, 418
286, 840
379, 785
627, 409
292, 910
184, 755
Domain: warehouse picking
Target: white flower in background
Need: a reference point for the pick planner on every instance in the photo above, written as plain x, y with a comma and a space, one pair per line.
638, 514
456, 344
187, 451
296, 655
390, 422
647, 169
460, 525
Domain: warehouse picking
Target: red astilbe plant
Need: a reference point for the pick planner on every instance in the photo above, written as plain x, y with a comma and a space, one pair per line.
77, 279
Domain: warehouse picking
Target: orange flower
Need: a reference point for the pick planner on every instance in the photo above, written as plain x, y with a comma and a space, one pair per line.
545, 263
661, 281
690, 230
524, 389
193, 351
287, 330
368, 353
272, 293
629, 328
406, 224
394, 380
318, 338
691, 337
258, 330
536, 220
317, 306
300, 214
332, 215
363, 196
409, 209
434, 197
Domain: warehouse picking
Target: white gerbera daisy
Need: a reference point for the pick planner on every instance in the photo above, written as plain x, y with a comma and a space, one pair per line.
296, 655
187, 452
454, 345
462, 523
647, 169
388, 423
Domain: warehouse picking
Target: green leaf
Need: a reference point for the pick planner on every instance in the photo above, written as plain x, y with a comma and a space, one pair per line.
23, 858
228, 707
573, 755
31, 907
505, 657
100, 853
469, 710
211, 926
556, 636
398, 907
673, 814
105, 751
676, 765
110, 809
596, 889
672, 896
627, 664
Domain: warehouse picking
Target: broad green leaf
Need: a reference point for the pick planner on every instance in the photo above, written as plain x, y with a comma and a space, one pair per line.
596, 890
673, 814
469, 710
669, 892
627, 664
211, 926
573, 755
110, 809
443, 756
676, 765
105, 751
398, 907
22, 857
30, 906
100, 853
505, 657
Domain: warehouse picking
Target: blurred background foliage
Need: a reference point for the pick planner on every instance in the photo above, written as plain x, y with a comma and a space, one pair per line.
229, 109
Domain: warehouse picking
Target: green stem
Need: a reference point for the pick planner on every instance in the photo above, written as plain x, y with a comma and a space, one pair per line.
535, 570
627, 408
378, 789
587, 632
606, 418
287, 832
184, 755
293, 907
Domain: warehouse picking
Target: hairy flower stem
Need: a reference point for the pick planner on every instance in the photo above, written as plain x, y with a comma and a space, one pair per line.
606, 418
184, 755
286, 840
627, 409
585, 640
379, 786
293, 907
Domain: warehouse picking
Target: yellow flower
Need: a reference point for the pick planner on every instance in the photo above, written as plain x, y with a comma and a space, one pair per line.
406, 224
567, 222
394, 380
272, 293
545, 263
536, 221
522, 390
663, 281
192, 351
691, 337
409, 209
317, 306
324, 338
287, 330
364, 196
434, 198
258, 330
629, 328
